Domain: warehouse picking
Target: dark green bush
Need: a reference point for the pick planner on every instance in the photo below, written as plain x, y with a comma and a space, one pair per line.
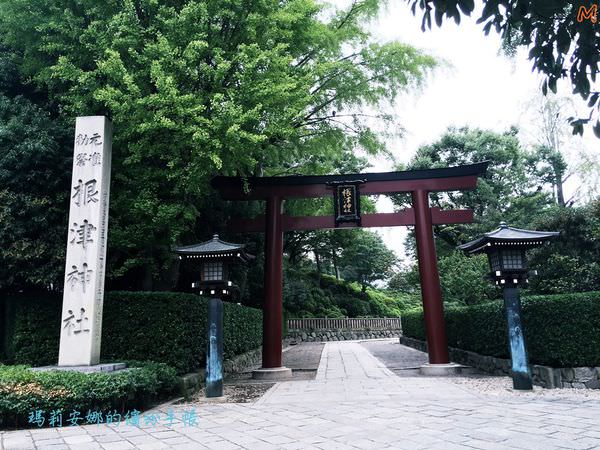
561, 330
164, 327
23, 391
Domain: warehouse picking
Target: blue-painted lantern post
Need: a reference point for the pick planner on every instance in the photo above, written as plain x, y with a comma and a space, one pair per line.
214, 350
505, 248
214, 259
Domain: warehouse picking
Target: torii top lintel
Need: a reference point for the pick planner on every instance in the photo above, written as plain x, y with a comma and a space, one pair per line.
431, 180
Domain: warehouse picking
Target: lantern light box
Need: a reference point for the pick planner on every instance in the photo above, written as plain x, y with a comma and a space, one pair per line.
215, 258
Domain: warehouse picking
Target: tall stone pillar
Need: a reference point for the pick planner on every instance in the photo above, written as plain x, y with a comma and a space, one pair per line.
81, 320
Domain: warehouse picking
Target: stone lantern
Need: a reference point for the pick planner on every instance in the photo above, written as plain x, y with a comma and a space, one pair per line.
505, 248
214, 258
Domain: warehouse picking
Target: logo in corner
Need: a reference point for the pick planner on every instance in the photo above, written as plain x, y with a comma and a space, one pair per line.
590, 14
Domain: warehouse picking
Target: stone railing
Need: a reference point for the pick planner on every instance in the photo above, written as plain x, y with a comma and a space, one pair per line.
548, 377
383, 323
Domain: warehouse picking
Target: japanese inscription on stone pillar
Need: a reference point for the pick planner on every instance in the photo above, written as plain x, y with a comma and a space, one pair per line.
81, 320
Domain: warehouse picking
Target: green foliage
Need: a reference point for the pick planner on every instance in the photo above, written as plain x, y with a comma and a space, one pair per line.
560, 330
570, 262
22, 391
560, 45
509, 192
463, 279
35, 165
199, 87
306, 294
150, 326
367, 259
513, 190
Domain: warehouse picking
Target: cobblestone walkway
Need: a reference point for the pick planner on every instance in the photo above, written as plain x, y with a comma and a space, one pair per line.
354, 402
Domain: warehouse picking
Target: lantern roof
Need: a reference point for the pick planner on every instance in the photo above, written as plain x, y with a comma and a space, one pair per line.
215, 248
505, 235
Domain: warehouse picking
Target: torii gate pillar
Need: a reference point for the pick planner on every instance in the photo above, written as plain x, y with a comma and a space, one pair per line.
433, 307
272, 368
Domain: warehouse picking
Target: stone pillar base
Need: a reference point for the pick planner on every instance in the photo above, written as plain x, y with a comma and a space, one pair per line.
107, 367
272, 374
221, 399
440, 370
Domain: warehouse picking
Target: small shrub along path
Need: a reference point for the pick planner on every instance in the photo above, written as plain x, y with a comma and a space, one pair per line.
354, 402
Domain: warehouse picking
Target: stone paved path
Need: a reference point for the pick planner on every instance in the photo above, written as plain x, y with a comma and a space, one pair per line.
354, 402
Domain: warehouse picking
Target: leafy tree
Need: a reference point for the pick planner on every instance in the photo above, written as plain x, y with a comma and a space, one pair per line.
463, 279
325, 246
367, 259
405, 280
553, 145
509, 192
198, 87
35, 163
560, 46
571, 262
513, 190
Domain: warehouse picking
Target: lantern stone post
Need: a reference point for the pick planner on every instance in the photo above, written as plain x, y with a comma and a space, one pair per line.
505, 248
521, 373
214, 350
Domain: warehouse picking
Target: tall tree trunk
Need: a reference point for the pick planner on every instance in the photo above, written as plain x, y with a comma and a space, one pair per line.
560, 196
336, 269
318, 261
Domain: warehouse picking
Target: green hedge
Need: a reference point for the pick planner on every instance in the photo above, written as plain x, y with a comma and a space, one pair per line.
23, 391
147, 326
560, 330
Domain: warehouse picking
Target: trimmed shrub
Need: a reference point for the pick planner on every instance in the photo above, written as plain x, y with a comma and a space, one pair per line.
165, 327
23, 391
561, 330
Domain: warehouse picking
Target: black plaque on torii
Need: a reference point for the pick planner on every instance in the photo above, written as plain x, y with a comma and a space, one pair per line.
346, 201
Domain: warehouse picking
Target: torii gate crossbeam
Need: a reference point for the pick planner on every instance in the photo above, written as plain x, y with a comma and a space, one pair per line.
274, 190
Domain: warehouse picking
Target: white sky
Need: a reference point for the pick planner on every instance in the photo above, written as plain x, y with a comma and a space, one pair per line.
480, 88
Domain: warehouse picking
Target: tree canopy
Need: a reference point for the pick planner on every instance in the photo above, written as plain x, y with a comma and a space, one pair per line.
514, 189
198, 87
520, 188
34, 177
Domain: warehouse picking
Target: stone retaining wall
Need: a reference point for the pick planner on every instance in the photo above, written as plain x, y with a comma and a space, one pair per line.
548, 377
340, 335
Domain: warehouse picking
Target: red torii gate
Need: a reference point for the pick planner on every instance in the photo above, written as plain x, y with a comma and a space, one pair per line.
274, 190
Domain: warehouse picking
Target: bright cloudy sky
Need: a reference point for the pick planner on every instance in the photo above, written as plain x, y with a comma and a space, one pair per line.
479, 88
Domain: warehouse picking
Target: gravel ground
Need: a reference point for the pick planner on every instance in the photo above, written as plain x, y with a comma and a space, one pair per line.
502, 387
237, 393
